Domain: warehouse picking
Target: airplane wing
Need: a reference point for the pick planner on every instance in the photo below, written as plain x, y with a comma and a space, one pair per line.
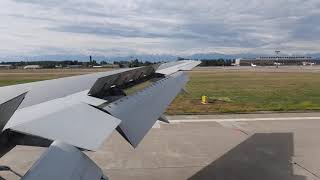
172, 67
80, 112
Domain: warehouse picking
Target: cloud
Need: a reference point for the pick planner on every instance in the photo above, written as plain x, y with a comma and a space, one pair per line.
307, 28
158, 27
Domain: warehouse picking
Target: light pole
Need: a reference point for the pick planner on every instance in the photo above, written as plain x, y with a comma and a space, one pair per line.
277, 58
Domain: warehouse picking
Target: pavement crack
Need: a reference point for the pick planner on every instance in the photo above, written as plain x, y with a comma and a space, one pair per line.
306, 169
243, 131
234, 126
159, 167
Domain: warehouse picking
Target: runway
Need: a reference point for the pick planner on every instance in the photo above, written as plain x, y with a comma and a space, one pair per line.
243, 119
238, 146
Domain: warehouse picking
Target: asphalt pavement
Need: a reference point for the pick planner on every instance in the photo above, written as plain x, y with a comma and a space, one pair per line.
239, 146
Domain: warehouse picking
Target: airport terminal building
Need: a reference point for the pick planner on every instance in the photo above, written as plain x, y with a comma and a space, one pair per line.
277, 60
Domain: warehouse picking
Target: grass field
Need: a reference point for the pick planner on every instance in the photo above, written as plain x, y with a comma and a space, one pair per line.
249, 92
229, 91
10, 77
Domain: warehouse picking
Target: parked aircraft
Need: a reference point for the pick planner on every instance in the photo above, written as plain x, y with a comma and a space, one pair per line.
73, 114
308, 63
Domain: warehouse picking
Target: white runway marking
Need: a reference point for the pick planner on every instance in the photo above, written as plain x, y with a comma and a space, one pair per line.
243, 119
156, 125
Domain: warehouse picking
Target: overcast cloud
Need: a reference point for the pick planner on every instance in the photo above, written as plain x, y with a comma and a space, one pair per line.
113, 27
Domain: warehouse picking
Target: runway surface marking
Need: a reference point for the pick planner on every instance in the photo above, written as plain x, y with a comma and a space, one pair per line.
243, 119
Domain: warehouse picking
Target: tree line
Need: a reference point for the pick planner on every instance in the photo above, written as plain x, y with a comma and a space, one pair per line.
55, 64
51, 64
121, 64
217, 62
134, 63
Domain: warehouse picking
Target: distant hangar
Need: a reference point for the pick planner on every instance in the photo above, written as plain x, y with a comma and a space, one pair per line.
277, 60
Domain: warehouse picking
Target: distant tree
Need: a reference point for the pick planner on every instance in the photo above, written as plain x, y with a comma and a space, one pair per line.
216, 62
147, 63
65, 63
103, 62
180, 58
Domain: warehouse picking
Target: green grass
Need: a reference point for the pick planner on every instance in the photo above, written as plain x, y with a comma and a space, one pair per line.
249, 92
19, 79
229, 92
138, 87
17, 76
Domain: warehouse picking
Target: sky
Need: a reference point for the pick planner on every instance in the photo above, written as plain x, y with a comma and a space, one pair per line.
177, 27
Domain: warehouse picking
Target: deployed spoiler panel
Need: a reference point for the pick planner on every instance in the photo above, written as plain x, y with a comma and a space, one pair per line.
42, 91
119, 79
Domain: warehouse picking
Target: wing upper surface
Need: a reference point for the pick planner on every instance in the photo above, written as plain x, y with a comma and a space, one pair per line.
172, 67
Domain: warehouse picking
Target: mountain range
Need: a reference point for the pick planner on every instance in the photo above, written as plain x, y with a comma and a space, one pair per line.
142, 57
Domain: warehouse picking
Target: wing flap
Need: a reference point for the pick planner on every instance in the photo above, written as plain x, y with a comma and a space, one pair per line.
139, 112
75, 123
64, 162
